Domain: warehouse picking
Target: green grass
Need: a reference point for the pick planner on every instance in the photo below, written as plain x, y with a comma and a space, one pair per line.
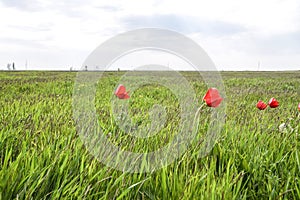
42, 156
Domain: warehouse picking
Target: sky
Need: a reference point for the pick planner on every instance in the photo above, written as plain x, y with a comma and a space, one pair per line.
236, 34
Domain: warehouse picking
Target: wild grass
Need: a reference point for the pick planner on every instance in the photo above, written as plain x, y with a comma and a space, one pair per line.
42, 156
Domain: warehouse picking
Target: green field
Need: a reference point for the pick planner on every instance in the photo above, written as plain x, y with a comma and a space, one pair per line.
42, 156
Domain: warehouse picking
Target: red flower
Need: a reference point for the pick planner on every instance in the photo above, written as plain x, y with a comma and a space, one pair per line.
261, 105
299, 106
212, 98
121, 92
273, 103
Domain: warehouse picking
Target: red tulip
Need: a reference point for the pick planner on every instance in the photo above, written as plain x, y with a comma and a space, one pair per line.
121, 92
261, 105
299, 106
273, 103
212, 98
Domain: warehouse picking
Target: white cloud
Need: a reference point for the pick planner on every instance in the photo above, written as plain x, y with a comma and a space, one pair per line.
235, 33
266, 15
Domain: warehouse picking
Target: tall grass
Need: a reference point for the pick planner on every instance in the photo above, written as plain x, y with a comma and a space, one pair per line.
42, 157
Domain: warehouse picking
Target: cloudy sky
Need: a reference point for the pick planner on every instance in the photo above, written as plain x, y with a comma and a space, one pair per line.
236, 34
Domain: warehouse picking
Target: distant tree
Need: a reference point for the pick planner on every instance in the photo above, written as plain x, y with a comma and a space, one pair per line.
119, 69
71, 68
13, 66
86, 68
8, 66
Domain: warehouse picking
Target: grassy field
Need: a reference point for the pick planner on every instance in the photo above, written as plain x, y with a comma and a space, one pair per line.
42, 156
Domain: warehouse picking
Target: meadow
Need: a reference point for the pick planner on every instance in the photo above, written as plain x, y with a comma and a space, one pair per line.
255, 157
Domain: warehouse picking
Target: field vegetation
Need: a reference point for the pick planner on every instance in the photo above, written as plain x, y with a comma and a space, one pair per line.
42, 157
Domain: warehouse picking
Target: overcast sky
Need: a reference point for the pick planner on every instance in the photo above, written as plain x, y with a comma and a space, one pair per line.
236, 34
